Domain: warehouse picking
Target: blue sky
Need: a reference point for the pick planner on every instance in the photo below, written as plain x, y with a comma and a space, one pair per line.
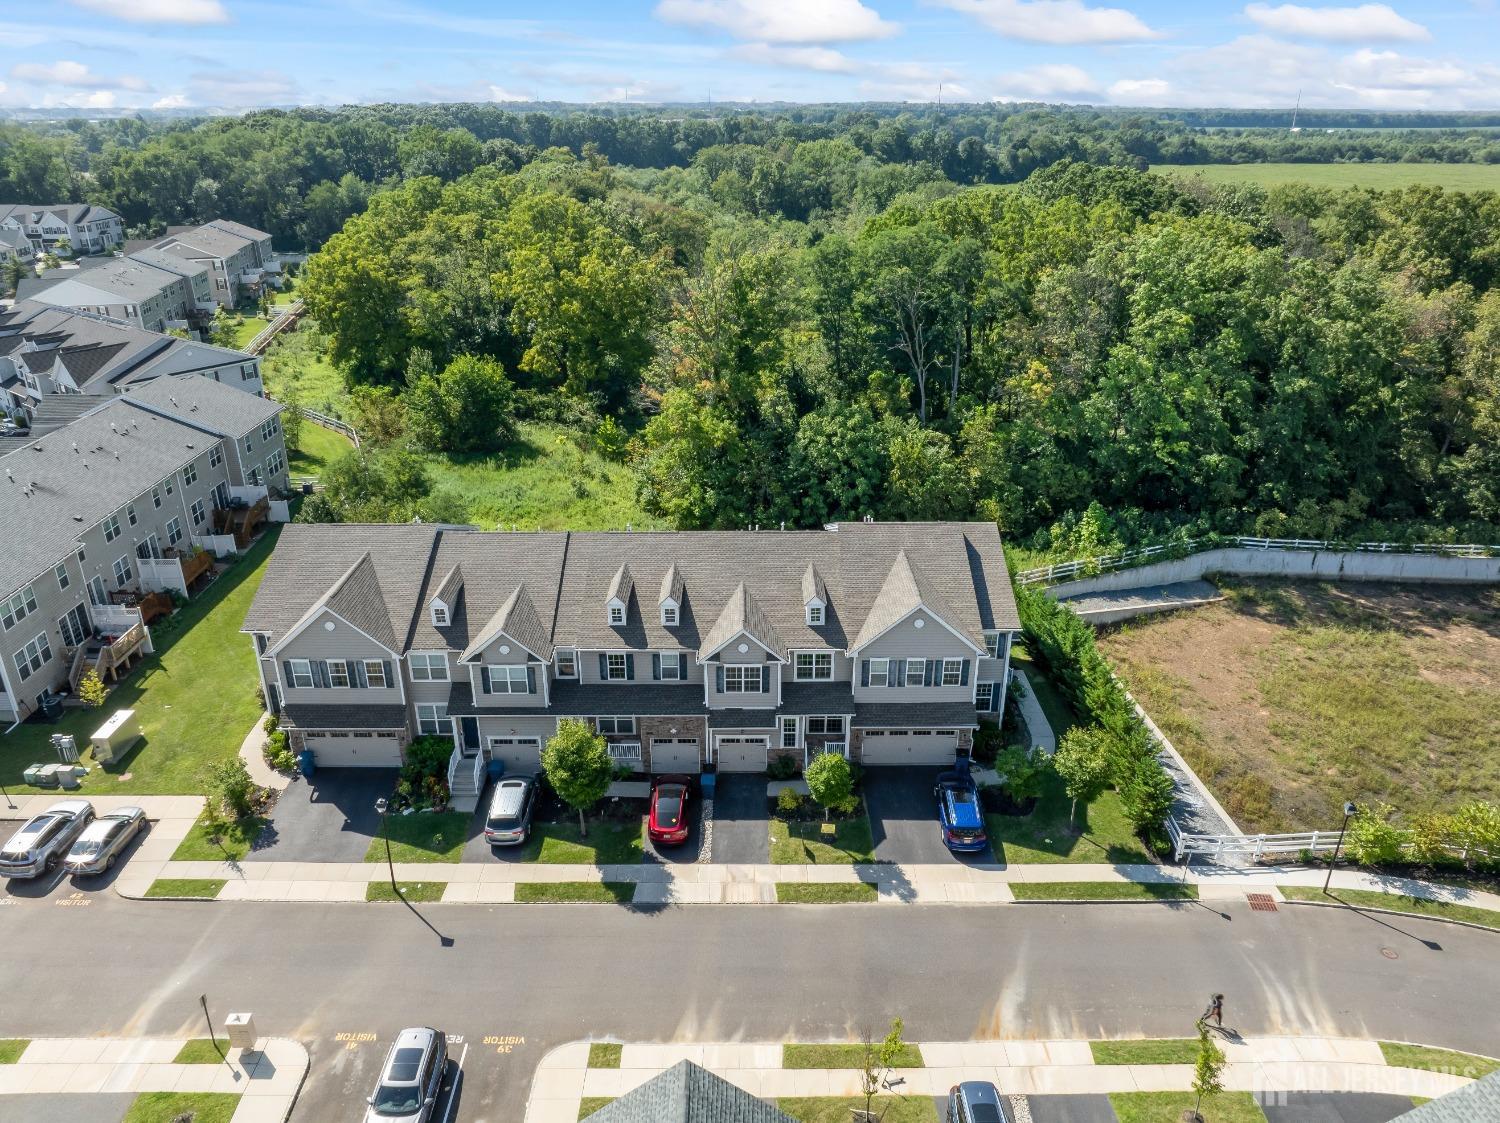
243, 53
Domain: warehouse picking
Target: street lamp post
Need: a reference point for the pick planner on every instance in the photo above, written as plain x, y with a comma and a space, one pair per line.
1349, 812
383, 805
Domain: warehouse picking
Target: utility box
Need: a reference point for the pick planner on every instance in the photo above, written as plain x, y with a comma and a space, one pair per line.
113, 739
241, 1030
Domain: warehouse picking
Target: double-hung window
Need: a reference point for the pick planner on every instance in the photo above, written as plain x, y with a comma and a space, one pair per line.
741, 679
829, 726
916, 671
953, 672
433, 720
984, 696
111, 528
130, 514
199, 512
338, 673
20, 606
615, 667
61, 573
814, 666
174, 531
33, 656
508, 680
123, 571
215, 456
274, 463
567, 662
156, 498
992, 644
671, 667
617, 726
375, 674
302, 675
880, 672
788, 733
190, 475
429, 666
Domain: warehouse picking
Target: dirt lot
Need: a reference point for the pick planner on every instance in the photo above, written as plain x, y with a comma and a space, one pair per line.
1291, 697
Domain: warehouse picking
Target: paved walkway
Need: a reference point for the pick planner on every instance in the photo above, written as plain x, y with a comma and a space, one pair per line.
1019, 1068
251, 752
267, 1079
1034, 716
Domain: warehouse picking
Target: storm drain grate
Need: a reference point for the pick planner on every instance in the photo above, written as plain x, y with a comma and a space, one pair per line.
1261, 902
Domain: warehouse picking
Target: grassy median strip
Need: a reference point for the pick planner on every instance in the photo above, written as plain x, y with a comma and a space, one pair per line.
168, 1107
842, 1056
207, 887
409, 891
201, 1051
605, 1054
1148, 1051
11, 1049
1168, 1107
1468, 1065
821, 893
232, 845
590, 1104
423, 837
836, 1109
597, 892
1396, 902
1102, 891
800, 843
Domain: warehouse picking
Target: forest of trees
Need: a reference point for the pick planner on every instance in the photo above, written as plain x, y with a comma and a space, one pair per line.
299, 174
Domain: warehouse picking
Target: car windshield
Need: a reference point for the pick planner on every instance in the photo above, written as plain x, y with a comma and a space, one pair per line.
503, 822
961, 795
397, 1099
87, 847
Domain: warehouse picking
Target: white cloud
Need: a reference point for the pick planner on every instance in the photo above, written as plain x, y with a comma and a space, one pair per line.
1054, 21
500, 93
1367, 23
159, 11
824, 59
171, 101
1140, 91
73, 75
780, 21
1055, 80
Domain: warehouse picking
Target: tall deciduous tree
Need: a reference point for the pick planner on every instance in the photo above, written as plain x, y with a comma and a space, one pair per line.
576, 762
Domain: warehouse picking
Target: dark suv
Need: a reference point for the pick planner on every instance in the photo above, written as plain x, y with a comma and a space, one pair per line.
975, 1101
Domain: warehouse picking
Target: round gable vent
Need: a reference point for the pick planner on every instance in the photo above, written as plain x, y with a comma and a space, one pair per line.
918, 622
742, 648
328, 625
505, 649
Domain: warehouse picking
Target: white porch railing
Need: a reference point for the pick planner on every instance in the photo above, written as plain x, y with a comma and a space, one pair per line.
250, 493
625, 752
466, 772
219, 545
116, 619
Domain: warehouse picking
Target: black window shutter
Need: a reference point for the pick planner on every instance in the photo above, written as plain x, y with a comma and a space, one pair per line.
933, 668
864, 672
629, 667
286, 669
323, 679
963, 673
484, 679
719, 677
530, 679
682, 666
655, 665
390, 679
357, 674
896, 673
603, 667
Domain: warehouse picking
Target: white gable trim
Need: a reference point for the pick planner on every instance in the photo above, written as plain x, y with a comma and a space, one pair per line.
312, 614
476, 649
748, 635
965, 640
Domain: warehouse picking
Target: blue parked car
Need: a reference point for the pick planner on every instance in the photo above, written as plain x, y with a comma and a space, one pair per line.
959, 810
975, 1101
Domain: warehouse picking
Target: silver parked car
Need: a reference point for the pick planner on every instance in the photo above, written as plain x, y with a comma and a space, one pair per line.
411, 1077
104, 840
509, 820
40, 844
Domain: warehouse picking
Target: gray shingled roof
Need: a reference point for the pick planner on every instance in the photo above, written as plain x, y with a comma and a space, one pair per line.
516, 618
742, 719
686, 1093
358, 599
741, 614
1478, 1102
195, 400
494, 566
621, 585
76, 490
213, 241
817, 698
449, 587
813, 587
903, 591
671, 585
912, 715
295, 715
574, 699
239, 229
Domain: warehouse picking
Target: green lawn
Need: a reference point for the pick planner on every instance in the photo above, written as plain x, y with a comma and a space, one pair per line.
318, 447
1438, 1060
605, 1054
842, 1055
231, 847
11, 1049
195, 698
1099, 833
410, 891
607, 844
560, 892
1167, 1107
820, 893
201, 1051
1454, 177
168, 1107
242, 334
207, 887
799, 843
542, 480
1166, 1051
1102, 891
590, 1104
1396, 902
833, 1109
423, 837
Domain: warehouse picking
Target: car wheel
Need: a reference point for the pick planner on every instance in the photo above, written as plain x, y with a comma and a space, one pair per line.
110, 863
50, 864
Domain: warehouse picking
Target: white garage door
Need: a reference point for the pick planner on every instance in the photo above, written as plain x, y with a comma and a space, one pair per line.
741, 754
909, 746
679, 755
522, 755
355, 750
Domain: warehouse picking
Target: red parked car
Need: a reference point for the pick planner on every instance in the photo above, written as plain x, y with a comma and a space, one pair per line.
668, 823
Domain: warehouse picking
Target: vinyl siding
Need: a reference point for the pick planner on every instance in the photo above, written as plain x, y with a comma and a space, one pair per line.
907, 641
315, 642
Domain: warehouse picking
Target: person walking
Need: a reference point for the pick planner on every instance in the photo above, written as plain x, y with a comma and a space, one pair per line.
1215, 1012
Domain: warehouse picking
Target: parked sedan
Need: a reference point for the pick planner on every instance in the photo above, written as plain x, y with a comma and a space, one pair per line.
960, 812
975, 1101
104, 840
669, 823
410, 1078
40, 844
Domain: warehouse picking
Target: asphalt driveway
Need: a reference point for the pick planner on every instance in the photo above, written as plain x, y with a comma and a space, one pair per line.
1334, 1107
903, 817
330, 818
742, 820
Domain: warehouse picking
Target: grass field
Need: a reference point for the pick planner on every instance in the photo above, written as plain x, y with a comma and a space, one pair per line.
605, 1054
1455, 177
423, 837
565, 892
590, 1104
318, 448
296, 364
201, 1051
1167, 1107
11, 1049
1102, 891
169, 1107
419, 891
232, 845
1289, 698
1099, 832
1396, 902
799, 843
195, 698
608, 843
833, 1109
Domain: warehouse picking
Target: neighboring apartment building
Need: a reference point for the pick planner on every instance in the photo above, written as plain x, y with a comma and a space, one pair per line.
238, 257
127, 288
139, 476
46, 350
883, 641
86, 229
15, 245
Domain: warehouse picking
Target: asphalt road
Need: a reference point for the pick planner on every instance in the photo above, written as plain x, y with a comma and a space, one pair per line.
514, 981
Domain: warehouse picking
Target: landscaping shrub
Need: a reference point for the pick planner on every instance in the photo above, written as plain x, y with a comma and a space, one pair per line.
91, 689
1023, 772
231, 788
1373, 840
788, 802
782, 767
989, 738
278, 754
426, 759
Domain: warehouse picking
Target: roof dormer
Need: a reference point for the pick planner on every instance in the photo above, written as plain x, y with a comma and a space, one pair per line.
444, 599
670, 602
814, 597
617, 601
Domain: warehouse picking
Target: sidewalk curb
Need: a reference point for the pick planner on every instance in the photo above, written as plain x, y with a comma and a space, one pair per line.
1495, 928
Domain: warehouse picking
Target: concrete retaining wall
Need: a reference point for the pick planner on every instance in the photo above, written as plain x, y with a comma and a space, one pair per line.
1324, 565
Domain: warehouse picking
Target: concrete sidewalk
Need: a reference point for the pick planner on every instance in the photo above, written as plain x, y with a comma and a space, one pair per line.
1017, 1068
267, 1079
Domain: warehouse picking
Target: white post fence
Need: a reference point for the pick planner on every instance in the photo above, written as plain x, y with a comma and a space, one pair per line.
162, 575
